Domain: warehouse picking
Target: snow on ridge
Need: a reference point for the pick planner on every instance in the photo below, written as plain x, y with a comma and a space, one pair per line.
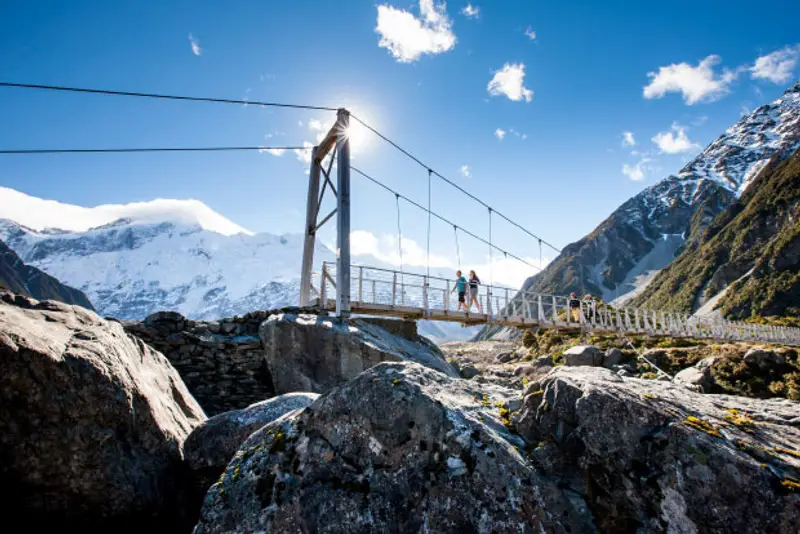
41, 214
735, 158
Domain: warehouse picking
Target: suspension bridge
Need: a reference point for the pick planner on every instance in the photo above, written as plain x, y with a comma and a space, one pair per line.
344, 288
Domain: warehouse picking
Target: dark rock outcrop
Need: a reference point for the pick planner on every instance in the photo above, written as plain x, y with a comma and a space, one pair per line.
92, 422
650, 456
29, 281
401, 448
210, 446
314, 353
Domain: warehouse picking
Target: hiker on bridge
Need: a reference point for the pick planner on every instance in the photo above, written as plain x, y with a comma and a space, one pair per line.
590, 304
575, 307
461, 287
474, 282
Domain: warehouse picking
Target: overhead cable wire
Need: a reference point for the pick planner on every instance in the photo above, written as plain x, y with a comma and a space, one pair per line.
158, 149
428, 250
451, 182
163, 96
434, 214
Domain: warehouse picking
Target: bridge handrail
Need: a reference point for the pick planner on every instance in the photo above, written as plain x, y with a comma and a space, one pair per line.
528, 308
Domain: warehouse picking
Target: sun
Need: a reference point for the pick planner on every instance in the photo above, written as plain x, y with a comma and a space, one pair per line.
359, 136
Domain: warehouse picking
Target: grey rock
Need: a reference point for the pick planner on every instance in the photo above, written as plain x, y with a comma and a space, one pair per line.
210, 446
698, 375
661, 458
612, 357
524, 370
624, 373
315, 353
504, 357
583, 355
401, 448
763, 358
92, 421
544, 361
469, 371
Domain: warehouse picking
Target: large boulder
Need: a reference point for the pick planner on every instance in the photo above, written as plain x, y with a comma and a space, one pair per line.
210, 447
91, 424
401, 448
315, 353
763, 358
651, 456
583, 355
698, 375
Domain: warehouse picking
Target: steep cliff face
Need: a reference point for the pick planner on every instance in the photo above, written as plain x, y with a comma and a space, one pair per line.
748, 260
31, 282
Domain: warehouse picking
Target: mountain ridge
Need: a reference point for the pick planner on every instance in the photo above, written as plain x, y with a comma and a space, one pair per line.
32, 282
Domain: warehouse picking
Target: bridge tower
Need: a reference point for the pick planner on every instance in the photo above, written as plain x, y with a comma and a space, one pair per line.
337, 141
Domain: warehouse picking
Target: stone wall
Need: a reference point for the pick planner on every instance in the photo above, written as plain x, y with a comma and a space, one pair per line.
221, 362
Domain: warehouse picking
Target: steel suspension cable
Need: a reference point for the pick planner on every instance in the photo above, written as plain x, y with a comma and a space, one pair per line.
441, 218
491, 261
428, 253
162, 96
157, 149
399, 232
447, 180
458, 249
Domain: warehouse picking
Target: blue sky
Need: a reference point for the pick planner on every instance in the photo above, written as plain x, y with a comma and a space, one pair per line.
674, 75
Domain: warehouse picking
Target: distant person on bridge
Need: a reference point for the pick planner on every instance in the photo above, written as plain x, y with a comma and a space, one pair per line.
461, 287
590, 306
575, 307
474, 282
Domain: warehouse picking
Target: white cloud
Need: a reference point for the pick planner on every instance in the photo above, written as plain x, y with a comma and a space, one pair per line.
697, 84
408, 37
504, 271
638, 170
384, 248
628, 139
196, 50
500, 133
274, 151
530, 34
778, 66
471, 11
674, 140
465, 171
510, 81
304, 155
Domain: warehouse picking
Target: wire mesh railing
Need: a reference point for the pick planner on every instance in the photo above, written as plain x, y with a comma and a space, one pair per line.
409, 294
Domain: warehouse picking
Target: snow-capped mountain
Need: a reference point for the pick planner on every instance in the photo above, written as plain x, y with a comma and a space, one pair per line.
739, 154
160, 255
164, 255
619, 258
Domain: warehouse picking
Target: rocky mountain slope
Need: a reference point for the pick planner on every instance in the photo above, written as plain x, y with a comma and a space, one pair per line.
32, 282
643, 235
748, 260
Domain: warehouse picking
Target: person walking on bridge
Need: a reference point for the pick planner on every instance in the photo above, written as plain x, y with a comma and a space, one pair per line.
461, 287
474, 282
575, 307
